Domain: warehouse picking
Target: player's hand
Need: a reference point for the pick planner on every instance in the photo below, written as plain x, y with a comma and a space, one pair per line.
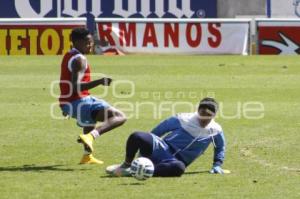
216, 170
106, 81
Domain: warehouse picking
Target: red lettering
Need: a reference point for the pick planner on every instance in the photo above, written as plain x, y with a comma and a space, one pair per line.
150, 35
171, 33
193, 42
127, 35
215, 41
105, 34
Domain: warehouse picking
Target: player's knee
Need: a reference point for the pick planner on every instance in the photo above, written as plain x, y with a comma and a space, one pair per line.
123, 119
169, 169
117, 113
179, 168
136, 135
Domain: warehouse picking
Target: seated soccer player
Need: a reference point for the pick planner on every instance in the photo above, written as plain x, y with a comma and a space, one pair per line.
176, 142
75, 99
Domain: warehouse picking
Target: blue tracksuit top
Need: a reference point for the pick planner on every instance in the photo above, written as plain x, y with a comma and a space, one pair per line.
188, 140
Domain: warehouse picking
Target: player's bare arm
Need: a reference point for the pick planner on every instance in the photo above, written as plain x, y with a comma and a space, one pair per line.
77, 65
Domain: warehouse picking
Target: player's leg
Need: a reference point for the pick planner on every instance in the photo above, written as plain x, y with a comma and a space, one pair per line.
87, 157
100, 111
111, 118
174, 168
137, 141
86, 130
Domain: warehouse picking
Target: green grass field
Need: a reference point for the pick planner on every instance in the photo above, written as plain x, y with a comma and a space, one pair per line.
39, 154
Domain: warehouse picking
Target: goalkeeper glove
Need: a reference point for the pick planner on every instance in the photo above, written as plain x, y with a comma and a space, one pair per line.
217, 170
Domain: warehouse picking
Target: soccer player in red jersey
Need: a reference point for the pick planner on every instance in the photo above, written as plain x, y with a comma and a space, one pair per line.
75, 99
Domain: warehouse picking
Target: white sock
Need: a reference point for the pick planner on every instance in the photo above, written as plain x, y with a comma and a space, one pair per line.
95, 133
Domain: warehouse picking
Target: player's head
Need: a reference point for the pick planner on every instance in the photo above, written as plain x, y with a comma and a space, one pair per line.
207, 110
82, 40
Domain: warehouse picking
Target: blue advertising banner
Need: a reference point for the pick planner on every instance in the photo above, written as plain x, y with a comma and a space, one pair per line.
108, 8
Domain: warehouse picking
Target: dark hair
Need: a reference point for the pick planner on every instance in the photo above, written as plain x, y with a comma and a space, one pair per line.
209, 103
79, 34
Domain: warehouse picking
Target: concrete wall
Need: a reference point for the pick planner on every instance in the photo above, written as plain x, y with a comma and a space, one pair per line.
285, 8
232, 8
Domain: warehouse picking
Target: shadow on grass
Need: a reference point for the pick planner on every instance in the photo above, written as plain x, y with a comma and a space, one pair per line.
132, 184
109, 176
36, 168
195, 172
186, 173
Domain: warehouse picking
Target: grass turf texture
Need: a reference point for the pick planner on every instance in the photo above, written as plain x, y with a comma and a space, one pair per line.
39, 154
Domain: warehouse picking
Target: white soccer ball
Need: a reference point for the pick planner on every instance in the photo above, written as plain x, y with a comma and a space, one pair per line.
142, 168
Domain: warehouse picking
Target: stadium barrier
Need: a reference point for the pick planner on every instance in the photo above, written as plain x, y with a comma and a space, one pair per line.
39, 36
278, 36
175, 36
50, 36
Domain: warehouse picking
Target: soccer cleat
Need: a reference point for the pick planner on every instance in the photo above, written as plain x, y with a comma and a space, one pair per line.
89, 159
226, 171
87, 140
118, 171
